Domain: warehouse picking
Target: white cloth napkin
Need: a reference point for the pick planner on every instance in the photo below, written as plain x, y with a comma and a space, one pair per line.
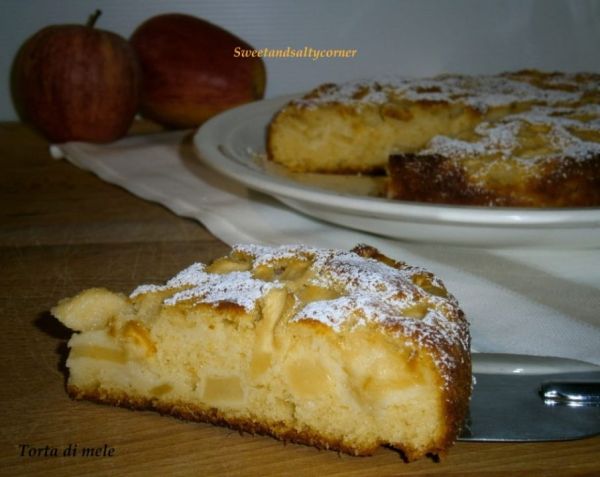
541, 302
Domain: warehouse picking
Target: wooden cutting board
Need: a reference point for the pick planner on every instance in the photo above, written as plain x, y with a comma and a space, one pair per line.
64, 230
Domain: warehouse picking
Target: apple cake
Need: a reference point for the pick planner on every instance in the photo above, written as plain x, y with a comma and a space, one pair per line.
527, 139
341, 350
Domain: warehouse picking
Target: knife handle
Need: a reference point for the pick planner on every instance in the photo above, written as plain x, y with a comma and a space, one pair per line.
575, 394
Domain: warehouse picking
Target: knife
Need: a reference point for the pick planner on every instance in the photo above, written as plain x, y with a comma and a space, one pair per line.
532, 398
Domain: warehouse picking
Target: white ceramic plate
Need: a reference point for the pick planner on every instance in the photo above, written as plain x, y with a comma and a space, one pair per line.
230, 141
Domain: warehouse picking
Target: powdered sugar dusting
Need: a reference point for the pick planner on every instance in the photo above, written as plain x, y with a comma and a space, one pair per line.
506, 138
368, 292
235, 287
194, 283
479, 92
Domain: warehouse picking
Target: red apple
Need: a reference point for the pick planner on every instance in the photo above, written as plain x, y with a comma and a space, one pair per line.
74, 82
189, 72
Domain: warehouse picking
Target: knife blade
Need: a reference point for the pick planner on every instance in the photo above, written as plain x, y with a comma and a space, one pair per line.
532, 398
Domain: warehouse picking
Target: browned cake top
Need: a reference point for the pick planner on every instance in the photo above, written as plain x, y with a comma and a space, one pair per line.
479, 92
338, 289
540, 133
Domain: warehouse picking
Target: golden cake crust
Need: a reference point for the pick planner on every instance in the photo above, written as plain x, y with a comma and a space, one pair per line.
558, 182
279, 430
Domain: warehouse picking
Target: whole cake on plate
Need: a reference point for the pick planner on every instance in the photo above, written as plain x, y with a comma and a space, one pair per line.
529, 138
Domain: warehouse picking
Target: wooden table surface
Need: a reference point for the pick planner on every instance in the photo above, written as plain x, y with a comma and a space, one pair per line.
63, 230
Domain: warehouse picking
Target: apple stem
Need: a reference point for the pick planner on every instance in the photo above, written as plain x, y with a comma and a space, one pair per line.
93, 17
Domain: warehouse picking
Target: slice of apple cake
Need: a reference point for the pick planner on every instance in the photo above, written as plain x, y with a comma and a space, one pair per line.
340, 350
